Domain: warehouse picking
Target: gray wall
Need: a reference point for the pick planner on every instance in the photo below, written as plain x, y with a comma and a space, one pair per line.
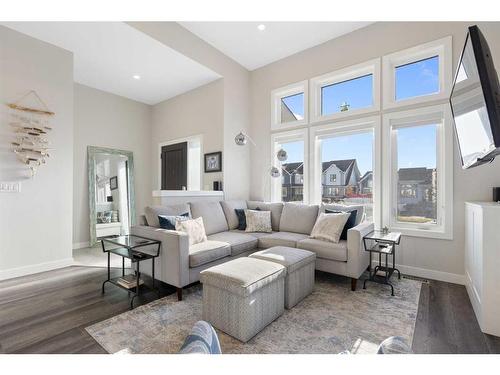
107, 120
35, 224
433, 258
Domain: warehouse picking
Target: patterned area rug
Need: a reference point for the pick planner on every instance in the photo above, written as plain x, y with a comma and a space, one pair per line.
332, 319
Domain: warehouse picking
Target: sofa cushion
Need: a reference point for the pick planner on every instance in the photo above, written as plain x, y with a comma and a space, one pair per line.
360, 216
256, 235
208, 251
212, 214
325, 249
275, 208
239, 242
228, 207
258, 221
194, 228
329, 227
298, 218
280, 239
243, 276
152, 212
351, 222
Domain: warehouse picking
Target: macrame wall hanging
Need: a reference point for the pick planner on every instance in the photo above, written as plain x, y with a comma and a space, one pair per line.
29, 118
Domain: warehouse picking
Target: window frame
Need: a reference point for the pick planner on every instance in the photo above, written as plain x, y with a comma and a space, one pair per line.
339, 76
441, 48
441, 115
284, 137
283, 92
345, 128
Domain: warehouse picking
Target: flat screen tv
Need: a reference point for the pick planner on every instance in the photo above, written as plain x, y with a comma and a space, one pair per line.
475, 102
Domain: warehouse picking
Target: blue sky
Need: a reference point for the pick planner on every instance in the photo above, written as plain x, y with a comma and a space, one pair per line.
414, 147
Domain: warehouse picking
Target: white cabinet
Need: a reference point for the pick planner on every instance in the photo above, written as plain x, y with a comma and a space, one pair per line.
482, 263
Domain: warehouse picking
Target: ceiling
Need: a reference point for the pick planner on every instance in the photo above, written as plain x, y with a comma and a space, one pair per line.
252, 48
108, 54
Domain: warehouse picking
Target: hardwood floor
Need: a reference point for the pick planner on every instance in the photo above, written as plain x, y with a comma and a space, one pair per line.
47, 313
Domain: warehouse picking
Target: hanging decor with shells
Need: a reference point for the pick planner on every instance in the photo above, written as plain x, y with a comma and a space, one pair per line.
31, 125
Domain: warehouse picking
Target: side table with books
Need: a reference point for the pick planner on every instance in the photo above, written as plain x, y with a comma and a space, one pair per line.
137, 249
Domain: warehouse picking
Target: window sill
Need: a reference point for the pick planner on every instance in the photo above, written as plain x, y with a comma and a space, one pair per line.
424, 233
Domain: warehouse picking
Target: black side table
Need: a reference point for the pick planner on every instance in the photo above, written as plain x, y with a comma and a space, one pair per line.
136, 249
385, 244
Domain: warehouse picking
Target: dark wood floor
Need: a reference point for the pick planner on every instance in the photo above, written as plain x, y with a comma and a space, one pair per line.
47, 313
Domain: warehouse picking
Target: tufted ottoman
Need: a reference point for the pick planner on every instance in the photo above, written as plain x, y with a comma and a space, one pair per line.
242, 296
300, 264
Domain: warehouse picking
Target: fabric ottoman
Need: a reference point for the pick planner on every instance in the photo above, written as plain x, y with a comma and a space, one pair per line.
242, 296
300, 264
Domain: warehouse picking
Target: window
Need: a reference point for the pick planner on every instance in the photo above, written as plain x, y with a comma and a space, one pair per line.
417, 78
289, 106
354, 90
416, 173
418, 74
419, 160
347, 96
345, 162
293, 182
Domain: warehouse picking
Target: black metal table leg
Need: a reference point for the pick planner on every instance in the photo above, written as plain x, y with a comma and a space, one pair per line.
123, 266
109, 272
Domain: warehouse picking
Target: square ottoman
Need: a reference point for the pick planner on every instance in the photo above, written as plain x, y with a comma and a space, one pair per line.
242, 296
300, 265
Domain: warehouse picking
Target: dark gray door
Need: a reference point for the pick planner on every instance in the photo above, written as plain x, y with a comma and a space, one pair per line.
174, 167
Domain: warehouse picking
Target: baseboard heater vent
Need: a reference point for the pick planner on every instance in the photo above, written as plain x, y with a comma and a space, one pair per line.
416, 278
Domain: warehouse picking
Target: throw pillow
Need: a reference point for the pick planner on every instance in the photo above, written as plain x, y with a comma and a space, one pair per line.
328, 227
168, 221
258, 221
194, 228
351, 222
242, 219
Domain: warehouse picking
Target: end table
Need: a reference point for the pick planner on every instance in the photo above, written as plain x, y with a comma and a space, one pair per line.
385, 244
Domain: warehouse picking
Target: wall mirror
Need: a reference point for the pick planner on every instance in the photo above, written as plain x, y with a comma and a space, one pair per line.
111, 192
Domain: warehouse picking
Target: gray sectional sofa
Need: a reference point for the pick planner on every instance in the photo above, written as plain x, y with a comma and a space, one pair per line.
180, 264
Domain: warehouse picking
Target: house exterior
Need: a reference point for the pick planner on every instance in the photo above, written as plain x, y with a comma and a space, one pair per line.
292, 182
417, 187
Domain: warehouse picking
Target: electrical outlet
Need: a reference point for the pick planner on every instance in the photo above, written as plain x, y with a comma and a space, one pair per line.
10, 187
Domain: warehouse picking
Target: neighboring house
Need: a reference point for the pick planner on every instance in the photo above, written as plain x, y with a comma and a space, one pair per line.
365, 183
292, 182
417, 196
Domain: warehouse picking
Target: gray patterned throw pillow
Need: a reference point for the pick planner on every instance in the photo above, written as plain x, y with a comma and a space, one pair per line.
258, 221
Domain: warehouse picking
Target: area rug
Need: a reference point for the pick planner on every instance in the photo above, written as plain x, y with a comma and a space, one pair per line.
330, 320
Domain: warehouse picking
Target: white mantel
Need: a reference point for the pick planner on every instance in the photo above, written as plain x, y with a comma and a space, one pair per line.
165, 197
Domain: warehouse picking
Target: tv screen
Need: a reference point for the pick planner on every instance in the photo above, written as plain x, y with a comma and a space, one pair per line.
475, 102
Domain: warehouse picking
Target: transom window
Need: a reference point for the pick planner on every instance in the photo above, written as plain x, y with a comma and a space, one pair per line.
289, 106
417, 78
347, 95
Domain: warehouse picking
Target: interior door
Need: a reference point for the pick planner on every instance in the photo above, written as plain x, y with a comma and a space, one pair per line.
174, 167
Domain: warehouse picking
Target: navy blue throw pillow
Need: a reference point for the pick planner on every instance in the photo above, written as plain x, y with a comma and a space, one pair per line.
351, 222
242, 218
168, 222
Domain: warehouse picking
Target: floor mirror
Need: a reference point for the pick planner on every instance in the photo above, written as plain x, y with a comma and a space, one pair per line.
111, 192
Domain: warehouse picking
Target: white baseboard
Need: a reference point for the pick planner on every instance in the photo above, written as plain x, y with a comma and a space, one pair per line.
35, 268
425, 273
81, 245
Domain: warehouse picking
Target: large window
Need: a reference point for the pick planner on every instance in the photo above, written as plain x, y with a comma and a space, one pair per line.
289, 106
418, 74
416, 153
345, 92
418, 192
345, 164
292, 184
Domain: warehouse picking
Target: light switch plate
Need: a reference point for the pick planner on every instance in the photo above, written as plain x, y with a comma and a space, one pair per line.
10, 187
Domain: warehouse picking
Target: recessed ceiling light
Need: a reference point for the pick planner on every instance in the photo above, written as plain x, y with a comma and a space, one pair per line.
136, 77
261, 27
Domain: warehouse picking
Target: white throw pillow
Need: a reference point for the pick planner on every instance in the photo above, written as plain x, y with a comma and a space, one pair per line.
258, 221
329, 227
193, 228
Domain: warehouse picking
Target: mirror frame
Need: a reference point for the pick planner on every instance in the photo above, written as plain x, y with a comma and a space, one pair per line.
92, 151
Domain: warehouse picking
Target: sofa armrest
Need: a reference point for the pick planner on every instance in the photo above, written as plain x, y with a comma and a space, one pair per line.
174, 253
357, 257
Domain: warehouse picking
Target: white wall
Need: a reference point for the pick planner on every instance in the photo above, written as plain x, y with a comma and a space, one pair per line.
35, 224
236, 159
197, 112
439, 259
107, 120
